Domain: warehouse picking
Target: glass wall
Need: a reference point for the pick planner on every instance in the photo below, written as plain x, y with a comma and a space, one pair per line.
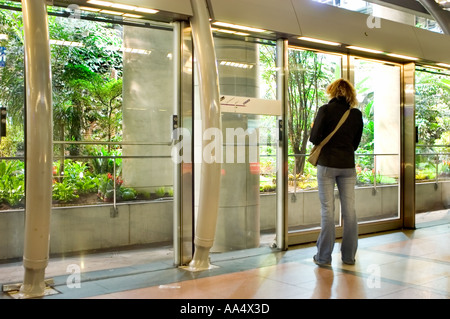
12, 147
432, 87
310, 73
113, 96
113, 84
247, 80
378, 86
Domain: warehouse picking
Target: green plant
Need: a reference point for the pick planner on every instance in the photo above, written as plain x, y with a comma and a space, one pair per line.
160, 192
65, 192
127, 193
74, 181
12, 182
107, 184
267, 188
106, 187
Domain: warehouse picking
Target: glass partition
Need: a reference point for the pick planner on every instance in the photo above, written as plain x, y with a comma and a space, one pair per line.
378, 158
113, 84
432, 102
12, 99
247, 85
310, 73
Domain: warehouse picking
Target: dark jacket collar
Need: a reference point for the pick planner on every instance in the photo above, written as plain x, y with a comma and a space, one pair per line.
339, 100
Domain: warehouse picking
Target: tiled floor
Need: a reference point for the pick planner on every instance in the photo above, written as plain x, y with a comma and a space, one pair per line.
408, 264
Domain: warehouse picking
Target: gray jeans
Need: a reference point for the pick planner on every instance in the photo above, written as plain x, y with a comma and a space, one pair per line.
345, 179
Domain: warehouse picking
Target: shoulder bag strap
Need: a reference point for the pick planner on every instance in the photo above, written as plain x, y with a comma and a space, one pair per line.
343, 118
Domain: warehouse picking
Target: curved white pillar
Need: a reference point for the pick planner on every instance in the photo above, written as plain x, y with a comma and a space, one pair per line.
442, 16
210, 113
38, 147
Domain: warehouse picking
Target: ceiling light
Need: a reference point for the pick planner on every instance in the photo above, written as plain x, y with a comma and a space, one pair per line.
445, 65
230, 32
237, 64
120, 6
364, 49
402, 56
111, 12
239, 27
130, 15
146, 10
89, 9
100, 3
123, 6
319, 41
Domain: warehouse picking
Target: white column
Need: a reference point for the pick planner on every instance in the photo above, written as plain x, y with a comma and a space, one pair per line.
210, 113
38, 147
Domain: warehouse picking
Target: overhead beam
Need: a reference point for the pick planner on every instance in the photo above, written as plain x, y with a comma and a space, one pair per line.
441, 16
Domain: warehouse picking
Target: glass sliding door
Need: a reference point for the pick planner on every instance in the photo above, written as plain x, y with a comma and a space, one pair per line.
247, 85
113, 87
378, 157
113, 101
432, 113
378, 87
310, 73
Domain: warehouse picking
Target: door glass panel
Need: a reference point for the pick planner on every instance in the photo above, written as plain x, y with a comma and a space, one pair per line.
113, 173
378, 161
247, 84
309, 74
113, 100
377, 158
433, 142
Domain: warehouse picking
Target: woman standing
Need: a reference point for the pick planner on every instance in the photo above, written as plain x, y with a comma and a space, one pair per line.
336, 165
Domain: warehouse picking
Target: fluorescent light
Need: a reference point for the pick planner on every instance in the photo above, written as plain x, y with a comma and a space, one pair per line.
130, 15
226, 31
364, 49
146, 10
123, 6
402, 56
89, 9
445, 65
239, 27
237, 64
119, 6
242, 33
100, 3
111, 12
231, 32
319, 41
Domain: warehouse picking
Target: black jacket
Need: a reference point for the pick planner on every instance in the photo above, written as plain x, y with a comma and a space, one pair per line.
339, 152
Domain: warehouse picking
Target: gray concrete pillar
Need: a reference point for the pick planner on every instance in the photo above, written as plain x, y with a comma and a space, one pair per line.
238, 225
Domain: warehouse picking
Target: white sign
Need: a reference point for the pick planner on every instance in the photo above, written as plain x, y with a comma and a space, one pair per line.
249, 105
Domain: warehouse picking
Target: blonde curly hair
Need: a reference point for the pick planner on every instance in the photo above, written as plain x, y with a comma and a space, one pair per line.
343, 88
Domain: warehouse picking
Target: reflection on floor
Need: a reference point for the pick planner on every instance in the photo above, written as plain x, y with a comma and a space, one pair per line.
400, 264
